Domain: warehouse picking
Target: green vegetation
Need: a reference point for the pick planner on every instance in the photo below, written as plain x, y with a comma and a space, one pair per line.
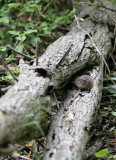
104, 153
25, 22
42, 118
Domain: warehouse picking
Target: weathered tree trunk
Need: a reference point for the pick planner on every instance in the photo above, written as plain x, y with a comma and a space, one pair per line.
69, 131
63, 59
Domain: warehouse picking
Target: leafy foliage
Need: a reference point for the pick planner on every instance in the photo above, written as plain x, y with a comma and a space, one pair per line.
23, 22
104, 153
42, 120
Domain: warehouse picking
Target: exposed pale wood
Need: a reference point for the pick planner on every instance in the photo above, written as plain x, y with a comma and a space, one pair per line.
68, 136
69, 132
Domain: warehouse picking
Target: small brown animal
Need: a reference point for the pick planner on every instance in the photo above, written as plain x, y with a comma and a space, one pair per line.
84, 82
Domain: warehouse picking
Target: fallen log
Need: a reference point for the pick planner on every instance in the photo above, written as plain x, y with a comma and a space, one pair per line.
21, 105
69, 131
33, 83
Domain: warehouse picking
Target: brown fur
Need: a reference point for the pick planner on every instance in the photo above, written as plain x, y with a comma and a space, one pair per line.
84, 82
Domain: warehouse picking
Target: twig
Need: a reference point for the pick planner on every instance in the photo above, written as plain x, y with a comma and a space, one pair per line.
56, 100
92, 42
103, 6
5, 65
43, 10
16, 155
93, 149
98, 5
23, 157
46, 7
64, 56
37, 49
40, 144
22, 54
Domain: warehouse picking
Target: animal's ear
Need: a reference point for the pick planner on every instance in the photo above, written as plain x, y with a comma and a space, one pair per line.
77, 78
86, 79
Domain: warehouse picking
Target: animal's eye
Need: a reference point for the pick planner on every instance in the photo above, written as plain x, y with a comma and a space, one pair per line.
79, 82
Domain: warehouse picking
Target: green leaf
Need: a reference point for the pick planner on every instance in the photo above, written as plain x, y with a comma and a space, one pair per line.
9, 77
102, 153
44, 24
58, 19
14, 32
113, 113
2, 48
13, 5
105, 108
4, 78
40, 129
114, 156
29, 32
21, 38
44, 35
47, 32
36, 124
33, 40
37, 1
26, 10
75, 5
29, 115
108, 109
115, 133
16, 71
27, 25
111, 90
20, 47
38, 7
4, 20
46, 110
10, 58
112, 78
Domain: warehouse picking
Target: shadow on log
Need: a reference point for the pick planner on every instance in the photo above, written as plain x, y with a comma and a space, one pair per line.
66, 57
69, 131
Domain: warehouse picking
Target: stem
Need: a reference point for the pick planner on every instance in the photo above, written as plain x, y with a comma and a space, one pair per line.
22, 54
5, 66
37, 49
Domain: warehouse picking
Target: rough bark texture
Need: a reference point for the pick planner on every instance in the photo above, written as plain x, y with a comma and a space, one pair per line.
69, 131
68, 136
21, 100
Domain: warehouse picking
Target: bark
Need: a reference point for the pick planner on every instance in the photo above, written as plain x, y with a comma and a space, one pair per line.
27, 96
63, 59
69, 131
